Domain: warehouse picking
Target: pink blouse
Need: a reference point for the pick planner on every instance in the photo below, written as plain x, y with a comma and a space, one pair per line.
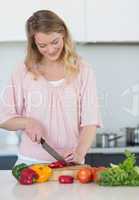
62, 109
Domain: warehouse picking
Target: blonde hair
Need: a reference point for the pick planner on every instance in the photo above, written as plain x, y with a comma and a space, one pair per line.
46, 21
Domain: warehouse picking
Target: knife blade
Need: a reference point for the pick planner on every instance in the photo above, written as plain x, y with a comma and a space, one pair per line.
51, 151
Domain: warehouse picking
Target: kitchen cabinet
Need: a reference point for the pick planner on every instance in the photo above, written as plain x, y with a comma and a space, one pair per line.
88, 20
101, 159
7, 161
112, 21
73, 13
13, 15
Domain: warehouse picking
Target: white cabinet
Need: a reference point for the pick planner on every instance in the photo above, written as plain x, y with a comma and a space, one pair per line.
112, 20
13, 15
87, 20
73, 14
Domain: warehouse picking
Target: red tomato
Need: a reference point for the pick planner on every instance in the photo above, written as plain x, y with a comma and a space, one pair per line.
84, 175
94, 170
98, 171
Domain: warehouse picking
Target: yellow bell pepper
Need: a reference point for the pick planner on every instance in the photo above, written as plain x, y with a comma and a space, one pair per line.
43, 171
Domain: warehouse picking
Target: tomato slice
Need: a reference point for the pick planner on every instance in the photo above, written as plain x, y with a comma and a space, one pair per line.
60, 164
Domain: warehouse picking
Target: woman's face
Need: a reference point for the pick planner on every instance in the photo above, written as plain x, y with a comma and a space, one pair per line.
49, 45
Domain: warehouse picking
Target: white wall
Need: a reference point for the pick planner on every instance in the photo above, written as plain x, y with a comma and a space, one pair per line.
117, 71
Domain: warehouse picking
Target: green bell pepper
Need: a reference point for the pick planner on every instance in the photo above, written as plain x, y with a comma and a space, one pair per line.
17, 170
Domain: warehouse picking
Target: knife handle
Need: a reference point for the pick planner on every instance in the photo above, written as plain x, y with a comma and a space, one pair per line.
42, 141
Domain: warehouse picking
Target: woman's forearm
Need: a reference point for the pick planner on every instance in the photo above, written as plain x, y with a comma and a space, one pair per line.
87, 136
14, 124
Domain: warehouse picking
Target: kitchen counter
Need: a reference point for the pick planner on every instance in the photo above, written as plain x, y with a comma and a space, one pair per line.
115, 150
12, 149
11, 190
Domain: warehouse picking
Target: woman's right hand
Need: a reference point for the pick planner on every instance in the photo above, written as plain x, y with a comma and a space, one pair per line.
35, 130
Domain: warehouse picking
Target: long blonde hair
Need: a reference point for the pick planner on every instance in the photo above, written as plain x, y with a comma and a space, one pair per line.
46, 21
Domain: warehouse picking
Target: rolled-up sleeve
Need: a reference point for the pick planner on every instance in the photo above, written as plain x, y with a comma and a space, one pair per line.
12, 98
89, 108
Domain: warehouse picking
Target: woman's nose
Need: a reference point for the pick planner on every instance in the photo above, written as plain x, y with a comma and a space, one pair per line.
50, 50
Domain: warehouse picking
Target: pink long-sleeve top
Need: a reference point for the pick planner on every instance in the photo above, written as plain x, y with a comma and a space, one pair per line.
62, 109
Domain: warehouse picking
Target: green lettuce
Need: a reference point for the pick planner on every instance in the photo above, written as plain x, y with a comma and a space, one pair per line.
123, 174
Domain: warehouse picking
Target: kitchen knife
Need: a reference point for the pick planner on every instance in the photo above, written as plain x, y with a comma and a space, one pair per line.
51, 151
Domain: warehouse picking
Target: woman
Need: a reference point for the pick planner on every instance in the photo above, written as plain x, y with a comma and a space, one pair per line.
52, 95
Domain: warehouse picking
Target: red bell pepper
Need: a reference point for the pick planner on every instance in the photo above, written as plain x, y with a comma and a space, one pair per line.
60, 164
28, 176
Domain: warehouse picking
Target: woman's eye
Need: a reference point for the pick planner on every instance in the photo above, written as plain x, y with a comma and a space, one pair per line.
55, 42
42, 46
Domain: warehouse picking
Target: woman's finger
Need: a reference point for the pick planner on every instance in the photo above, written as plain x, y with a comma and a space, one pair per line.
38, 139
33, 138
69, 158
70, 154
67, 155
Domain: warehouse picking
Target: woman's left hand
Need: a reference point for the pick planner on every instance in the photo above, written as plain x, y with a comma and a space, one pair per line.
69, 157
73, 157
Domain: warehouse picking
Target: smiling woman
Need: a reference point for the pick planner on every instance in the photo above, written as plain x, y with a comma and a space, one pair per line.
52, 95
51, 42
52, 49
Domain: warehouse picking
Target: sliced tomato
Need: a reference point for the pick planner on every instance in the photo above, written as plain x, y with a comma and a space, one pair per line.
60, 164
57, 164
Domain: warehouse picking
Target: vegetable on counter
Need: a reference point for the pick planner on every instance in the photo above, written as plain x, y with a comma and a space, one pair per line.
57, 164
66, 179
28, 176
43, 171
16, 171
60, 164
84, 175
123, 174
96, 173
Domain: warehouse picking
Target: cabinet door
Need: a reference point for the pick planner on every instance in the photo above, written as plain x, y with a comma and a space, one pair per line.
100, 159
72, 12
7, 162
13, 15
112, 20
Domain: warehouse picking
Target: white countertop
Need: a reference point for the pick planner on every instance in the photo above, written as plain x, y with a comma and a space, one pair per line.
12, 149
114, 150
11, 190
